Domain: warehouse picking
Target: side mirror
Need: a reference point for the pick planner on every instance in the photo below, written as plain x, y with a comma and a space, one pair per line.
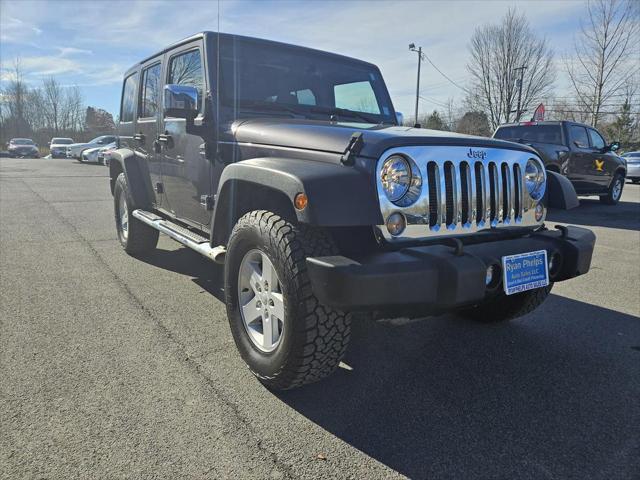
399, 118
614, 146
180, 101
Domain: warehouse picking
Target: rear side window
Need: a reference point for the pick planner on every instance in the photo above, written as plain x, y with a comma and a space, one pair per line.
596, 139
578, 136
186, 69
357, 96
531, 133
150, 91
128, 105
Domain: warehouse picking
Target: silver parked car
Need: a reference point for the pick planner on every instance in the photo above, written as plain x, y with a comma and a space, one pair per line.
75, 150
93, 155
633, 166
58, 147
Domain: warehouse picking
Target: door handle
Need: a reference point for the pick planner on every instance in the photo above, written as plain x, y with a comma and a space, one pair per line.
166, 140
139, 137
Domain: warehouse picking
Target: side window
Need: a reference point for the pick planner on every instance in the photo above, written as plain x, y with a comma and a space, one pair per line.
305, 97
150, 103
186, 69
579, 136
128, 104
358, 96
596, 139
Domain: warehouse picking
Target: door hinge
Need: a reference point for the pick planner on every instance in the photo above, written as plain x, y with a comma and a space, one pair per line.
207, 201
356, 142
159, 188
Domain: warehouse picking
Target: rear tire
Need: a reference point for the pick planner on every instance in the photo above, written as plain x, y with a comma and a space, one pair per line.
311, 338
135, 237
504, 307
615, 190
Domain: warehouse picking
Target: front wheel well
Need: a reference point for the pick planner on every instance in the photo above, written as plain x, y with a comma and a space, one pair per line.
553, 168
238, 197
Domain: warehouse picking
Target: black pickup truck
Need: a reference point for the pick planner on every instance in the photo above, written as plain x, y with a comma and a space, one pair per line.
575, 150
288, 166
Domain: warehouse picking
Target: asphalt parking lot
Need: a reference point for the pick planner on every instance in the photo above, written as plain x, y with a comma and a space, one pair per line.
115, 367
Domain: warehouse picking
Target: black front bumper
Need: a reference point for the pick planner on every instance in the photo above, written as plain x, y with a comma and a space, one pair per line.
436, 278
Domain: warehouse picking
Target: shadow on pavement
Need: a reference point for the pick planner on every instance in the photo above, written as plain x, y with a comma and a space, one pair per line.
206, 274
624, 215
553, 395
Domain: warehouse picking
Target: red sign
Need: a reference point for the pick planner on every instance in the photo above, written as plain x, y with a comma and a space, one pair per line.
538, 115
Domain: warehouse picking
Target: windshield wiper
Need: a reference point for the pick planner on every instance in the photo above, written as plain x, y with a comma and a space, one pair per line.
345, 112
271, 106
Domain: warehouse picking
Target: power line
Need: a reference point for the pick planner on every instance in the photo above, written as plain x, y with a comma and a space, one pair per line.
444, 75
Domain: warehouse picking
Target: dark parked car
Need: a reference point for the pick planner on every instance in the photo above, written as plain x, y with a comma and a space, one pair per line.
23, 147
575, 150
287, 165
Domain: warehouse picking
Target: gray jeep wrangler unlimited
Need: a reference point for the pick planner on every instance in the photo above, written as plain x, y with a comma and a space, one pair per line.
288, 166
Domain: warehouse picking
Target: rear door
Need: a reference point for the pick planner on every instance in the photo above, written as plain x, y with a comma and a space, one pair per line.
148, 122
187, 174
580, 161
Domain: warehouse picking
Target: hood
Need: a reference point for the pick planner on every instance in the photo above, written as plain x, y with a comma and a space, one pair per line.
22, 147
334, 136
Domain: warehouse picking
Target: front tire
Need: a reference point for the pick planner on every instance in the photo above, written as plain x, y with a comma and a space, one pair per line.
503, 308
615, 190
267, 285
135, 237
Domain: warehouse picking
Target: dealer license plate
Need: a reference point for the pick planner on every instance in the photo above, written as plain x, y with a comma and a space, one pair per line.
525, 271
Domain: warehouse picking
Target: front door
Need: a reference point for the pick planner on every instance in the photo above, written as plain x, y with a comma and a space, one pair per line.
187, 173
148, 123
602, 162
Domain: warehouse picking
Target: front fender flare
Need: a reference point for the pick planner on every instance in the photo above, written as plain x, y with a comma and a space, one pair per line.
560, 192
338, 195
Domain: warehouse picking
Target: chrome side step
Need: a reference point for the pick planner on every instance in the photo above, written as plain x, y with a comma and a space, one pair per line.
183, 235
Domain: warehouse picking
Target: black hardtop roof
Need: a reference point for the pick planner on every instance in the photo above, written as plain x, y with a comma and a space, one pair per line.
205, 34
546, 122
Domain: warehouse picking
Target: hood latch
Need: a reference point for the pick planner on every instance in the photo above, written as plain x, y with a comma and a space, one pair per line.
356, 142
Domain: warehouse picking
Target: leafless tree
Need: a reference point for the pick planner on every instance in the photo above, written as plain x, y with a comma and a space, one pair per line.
497, 51
53, 99
14, 100
605, 54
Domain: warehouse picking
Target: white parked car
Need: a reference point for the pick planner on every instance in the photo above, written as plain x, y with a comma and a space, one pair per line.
93, 155
75, 150
58, 147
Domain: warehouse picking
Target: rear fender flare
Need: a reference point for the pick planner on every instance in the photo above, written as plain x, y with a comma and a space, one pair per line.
135, 167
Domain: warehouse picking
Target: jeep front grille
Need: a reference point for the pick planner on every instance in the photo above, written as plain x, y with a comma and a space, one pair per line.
462, 195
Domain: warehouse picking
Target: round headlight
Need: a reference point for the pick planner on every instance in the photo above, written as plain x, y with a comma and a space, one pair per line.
401, 180
535, 179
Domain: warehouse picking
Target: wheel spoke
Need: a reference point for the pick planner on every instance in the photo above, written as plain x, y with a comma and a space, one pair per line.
255, 280
269, 273
267, 332
277, 309
250, 310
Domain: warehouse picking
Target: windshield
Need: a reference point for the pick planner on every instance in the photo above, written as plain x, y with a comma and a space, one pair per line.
295, 81
22, 141
531, 133
62, 141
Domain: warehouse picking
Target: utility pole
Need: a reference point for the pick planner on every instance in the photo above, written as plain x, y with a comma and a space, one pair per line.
519, 109
418, 50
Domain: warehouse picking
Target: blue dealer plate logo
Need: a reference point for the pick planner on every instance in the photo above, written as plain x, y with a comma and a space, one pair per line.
525, 271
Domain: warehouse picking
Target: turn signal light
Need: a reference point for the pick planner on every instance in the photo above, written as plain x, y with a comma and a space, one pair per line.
301, 201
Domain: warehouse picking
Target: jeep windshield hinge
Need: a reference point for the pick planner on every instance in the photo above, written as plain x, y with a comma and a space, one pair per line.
356, 142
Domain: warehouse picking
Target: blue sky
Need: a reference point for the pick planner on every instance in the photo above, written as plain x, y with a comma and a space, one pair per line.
91, 43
